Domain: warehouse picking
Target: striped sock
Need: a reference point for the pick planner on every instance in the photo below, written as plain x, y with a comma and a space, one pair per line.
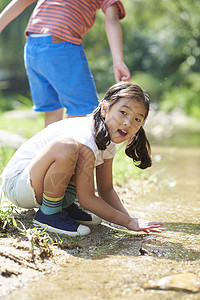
70, 195
51, 205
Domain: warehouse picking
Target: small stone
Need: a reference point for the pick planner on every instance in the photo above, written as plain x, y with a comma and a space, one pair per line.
184, 282
144, 251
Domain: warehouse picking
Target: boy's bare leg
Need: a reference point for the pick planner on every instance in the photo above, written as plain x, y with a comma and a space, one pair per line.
53, 116
56, 115
69, 116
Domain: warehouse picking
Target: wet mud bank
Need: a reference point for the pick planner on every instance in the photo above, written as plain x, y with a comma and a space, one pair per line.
113, 263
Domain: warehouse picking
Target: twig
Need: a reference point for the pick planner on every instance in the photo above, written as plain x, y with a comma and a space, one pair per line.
18, 260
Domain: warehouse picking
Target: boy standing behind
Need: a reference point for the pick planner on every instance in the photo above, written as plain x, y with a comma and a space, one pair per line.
54, 56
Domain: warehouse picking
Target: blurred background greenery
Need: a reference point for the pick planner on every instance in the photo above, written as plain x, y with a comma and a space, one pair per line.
161, 48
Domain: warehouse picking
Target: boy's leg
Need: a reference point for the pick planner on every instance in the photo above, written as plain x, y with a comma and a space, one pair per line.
50, 173
44, 96
59, 87
53, 116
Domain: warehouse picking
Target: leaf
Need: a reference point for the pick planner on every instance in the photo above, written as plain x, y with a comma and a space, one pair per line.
14, 222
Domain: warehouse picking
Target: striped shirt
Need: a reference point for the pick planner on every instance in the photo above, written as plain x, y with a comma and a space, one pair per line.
68, 19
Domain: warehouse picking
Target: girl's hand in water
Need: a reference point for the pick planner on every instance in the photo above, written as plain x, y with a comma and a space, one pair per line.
146, 226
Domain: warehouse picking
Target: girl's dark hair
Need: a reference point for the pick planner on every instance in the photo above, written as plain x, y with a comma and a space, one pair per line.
138, 147
102, 136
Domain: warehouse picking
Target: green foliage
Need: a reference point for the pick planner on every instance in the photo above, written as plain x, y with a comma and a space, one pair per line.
6, 219
5, 155
152, 84
124, 168
159, 53
24, 126
10, 222
161, 40
12, 102
7, 103
36, 237
186, 96
12, 42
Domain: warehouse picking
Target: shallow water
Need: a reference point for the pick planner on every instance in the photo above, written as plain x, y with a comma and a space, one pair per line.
109, 263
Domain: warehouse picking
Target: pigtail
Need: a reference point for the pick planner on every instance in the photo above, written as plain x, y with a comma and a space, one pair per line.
101, 134
139, 149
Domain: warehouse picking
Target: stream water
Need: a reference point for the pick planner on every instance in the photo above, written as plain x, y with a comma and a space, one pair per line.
111, 264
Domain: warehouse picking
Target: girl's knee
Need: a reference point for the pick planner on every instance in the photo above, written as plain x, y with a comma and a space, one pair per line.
65, 148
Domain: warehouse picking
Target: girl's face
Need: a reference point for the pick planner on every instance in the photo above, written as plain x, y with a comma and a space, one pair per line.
124, 118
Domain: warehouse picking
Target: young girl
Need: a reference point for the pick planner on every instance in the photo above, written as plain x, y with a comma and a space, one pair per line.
40, 171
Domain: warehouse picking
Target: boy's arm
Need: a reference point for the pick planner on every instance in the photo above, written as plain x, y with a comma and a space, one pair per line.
114, 35
12, 10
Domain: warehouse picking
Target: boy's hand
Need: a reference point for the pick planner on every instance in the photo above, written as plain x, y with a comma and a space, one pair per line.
146, 226
121, 72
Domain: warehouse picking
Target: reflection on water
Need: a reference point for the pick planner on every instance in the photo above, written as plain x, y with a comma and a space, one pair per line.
171, 246
110, 265
175, 244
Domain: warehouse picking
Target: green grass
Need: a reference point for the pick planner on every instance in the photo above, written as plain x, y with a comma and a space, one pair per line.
124, 168
23, 126
12, 223
5, 155
14, 101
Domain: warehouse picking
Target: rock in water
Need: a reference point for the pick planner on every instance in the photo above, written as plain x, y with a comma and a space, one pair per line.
185, 282
144, 251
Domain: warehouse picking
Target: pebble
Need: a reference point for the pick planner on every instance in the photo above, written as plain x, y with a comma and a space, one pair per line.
183, 282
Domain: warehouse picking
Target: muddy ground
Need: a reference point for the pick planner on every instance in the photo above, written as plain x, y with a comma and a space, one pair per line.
108, 264
27, 256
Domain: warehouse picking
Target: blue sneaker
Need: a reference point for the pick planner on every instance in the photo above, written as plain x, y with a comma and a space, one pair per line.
61, 223
81, 216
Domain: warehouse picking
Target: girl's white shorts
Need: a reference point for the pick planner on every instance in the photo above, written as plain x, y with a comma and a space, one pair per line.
19, 190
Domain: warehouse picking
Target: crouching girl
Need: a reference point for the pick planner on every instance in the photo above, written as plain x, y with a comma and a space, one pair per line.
39, 173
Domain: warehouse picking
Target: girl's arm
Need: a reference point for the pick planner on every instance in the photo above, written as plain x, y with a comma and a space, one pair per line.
85, 190
111, 209
12, 10
105, 186
114, 35
108, 194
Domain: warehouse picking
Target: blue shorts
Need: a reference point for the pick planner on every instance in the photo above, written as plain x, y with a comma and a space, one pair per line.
59, 76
